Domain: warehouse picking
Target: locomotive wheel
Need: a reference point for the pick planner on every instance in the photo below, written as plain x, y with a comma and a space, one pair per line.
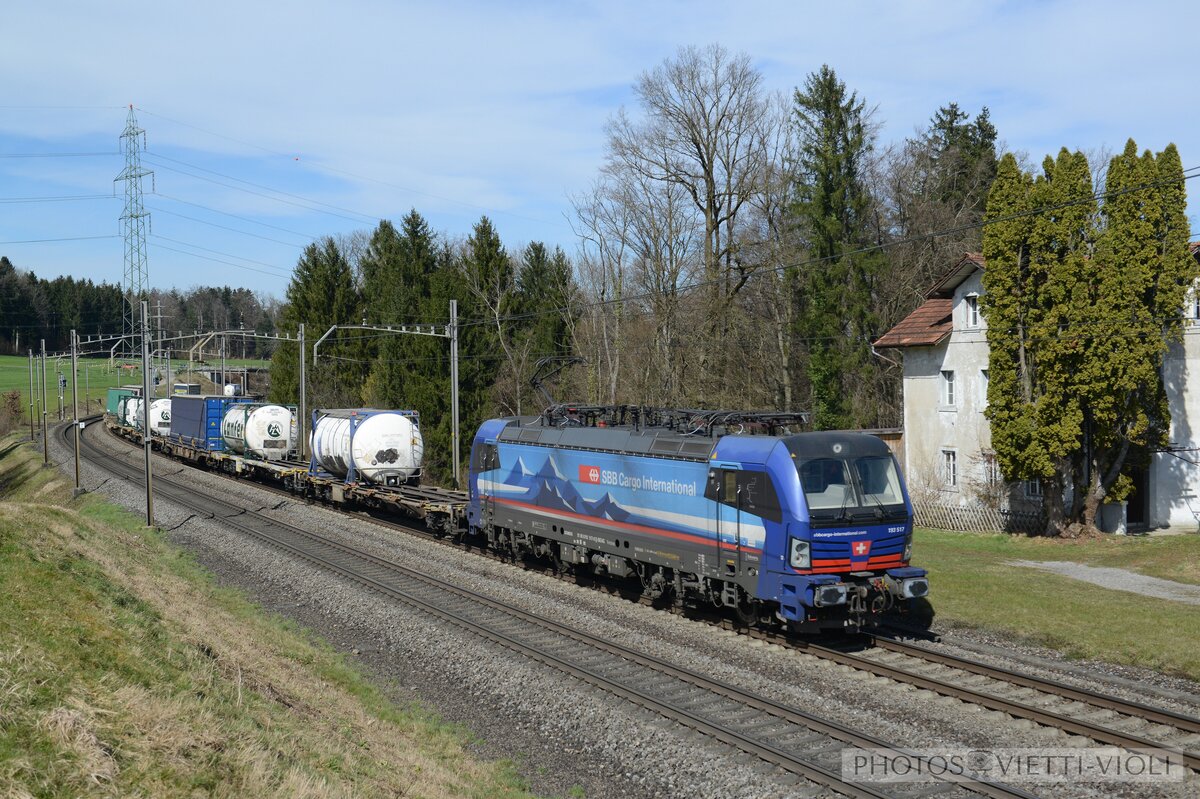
746, 612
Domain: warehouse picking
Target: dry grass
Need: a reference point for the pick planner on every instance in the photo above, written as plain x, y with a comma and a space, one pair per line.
124, 671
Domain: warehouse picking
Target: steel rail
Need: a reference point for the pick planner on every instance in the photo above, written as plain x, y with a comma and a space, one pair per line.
1128, 707
768, 752
1049, 718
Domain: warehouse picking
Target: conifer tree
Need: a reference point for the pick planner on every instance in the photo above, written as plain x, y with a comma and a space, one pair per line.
1143, 273
1079, 321
833, 295
321, 293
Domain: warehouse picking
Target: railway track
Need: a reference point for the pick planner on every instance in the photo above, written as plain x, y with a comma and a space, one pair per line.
1100, 717
795, 741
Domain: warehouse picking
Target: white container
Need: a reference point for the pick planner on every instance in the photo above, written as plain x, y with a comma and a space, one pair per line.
384, 447
160, 417
129, 412
259, 430
233, 390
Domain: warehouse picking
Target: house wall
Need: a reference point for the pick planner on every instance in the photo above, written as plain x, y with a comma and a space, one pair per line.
1174, 484
931, 425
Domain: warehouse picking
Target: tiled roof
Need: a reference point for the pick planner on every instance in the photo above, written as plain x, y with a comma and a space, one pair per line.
1195, 247
927, 325
961, 270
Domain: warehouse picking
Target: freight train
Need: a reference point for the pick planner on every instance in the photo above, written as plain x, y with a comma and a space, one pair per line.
811, 530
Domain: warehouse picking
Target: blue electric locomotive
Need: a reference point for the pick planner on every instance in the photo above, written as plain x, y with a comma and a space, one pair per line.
813, 530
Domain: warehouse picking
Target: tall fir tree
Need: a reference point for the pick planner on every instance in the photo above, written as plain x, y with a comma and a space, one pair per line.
321, 293
486, 300
834, 320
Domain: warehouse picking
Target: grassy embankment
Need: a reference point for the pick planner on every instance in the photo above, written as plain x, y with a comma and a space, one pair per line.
125, 671
972, 585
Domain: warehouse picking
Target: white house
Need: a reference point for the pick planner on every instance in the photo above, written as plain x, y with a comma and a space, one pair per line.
947, 439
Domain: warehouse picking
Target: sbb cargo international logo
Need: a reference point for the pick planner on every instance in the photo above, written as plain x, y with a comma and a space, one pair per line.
589, 474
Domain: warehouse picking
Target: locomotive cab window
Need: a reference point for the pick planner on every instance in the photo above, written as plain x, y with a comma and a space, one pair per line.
826, 483
484, 457
749, 491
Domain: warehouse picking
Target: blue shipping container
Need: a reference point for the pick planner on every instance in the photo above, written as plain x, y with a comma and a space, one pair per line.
196, 421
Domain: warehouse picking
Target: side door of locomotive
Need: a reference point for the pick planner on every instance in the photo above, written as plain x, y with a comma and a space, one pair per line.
745, 498
485, 459
723, 488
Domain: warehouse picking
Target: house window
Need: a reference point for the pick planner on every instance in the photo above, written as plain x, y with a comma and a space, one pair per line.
1033, 489
950, 468
983, 388
991, 469
971, 302
948, 388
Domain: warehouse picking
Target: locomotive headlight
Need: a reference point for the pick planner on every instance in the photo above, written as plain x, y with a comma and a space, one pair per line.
826, 595
801, 554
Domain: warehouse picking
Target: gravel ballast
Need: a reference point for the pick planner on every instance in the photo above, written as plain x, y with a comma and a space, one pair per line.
563, 735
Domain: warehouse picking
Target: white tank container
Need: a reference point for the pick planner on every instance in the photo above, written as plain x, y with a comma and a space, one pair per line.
384, 447
160, 417
233, 390
259, 430
129, 412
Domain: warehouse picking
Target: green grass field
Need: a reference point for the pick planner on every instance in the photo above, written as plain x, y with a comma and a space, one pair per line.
972, 585
95, 378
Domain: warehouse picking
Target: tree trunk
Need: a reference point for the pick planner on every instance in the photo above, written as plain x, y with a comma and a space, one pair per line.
1052, 505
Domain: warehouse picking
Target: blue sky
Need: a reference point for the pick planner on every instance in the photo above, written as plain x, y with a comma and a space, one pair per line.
270, 124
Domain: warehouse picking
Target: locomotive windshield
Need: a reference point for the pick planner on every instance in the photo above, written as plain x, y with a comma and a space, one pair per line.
865, 488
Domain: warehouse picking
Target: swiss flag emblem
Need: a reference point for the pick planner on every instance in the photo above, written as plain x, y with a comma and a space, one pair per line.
589, 474
861, 549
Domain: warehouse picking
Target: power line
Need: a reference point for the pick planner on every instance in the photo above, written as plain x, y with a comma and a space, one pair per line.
56, 155
226, 227
70, 238
336, 211
235, 216
335, 170
215, 260
218, 252
63, 198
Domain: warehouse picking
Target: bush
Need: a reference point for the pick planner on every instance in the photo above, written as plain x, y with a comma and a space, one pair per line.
10, 412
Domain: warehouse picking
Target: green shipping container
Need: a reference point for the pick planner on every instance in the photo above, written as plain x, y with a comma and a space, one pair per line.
116, 394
